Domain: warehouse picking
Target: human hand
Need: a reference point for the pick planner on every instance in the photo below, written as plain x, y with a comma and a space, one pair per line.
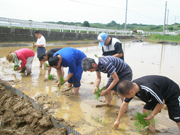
149, 117
18, 68
65, 80
58, 84
103, 93
116, 124
95, 90
34, 45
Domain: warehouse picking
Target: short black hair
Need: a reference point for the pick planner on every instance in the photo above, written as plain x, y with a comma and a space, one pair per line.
41, 56
37, 32
53, 61
124, 87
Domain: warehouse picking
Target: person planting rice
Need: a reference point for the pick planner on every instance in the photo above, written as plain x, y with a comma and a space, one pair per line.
45, 57
117, 68
155, 91
69, 57
25, 55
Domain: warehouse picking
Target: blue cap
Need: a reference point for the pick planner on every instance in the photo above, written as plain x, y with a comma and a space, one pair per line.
102, 38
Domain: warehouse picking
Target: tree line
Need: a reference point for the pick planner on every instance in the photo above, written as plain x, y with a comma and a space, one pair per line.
114, 25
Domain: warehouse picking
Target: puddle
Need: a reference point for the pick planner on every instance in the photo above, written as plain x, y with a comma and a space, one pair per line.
144, 58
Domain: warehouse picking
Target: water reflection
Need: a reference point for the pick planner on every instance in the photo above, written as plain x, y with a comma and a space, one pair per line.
143, 57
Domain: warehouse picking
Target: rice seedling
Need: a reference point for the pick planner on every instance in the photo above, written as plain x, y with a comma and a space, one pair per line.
46, 64
33, 45
50, 77
96, 55
61, 80
98, 93
140, 123
15, 67
103, 122
97, 119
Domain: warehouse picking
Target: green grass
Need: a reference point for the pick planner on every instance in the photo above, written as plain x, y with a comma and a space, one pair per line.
86, 40
159, 37
140, 123
16, 66
50, 77
98, 93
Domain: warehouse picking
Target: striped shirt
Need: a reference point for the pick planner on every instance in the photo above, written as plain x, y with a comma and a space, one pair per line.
109, 64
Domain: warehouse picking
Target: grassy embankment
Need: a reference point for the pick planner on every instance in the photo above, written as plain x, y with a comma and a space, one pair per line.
160, 38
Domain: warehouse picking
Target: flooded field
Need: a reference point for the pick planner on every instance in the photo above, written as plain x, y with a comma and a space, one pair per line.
81, 111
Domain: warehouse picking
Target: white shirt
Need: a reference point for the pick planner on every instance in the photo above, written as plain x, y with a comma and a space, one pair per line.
41, 41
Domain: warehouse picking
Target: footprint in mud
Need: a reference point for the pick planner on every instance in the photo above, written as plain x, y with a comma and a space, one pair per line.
101, 105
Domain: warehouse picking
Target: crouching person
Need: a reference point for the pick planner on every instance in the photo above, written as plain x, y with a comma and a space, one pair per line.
25, 55
69, 57
117, 68
155, 91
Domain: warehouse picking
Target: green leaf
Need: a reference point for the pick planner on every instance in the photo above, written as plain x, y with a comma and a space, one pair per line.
50, 77
61, 80
46, 64
95, 55
16, 66
140, 123
98, 93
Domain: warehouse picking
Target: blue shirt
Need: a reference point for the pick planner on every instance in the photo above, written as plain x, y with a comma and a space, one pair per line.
71, 57
110, 64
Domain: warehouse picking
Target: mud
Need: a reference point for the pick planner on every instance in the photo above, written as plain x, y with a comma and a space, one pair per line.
82, 112
18, 117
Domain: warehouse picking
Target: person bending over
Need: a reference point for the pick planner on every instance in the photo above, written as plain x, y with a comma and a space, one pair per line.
69, 57
155, 91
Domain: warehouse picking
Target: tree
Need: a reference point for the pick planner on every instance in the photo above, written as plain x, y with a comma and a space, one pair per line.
112, 24
86, 24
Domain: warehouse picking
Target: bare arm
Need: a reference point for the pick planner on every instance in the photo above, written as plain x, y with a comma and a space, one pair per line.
49, 70
156, 110
35, 45
68, 77
58, 74
118, 55
122, 110
113, 83
98, 80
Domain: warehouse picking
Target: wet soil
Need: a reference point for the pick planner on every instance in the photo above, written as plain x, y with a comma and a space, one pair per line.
18, 117
82, 112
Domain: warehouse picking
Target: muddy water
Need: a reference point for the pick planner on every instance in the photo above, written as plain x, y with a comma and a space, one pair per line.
81, 111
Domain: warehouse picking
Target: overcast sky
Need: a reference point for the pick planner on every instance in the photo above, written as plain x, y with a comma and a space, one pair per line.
93, 11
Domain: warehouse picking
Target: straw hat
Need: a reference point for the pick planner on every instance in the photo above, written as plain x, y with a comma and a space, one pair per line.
10, 57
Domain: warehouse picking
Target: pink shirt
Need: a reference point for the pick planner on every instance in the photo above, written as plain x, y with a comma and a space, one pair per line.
23, 54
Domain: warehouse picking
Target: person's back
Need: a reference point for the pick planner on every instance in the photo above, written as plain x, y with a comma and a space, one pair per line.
109, 63
25, 52
70, 56
51, 52
158, 84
